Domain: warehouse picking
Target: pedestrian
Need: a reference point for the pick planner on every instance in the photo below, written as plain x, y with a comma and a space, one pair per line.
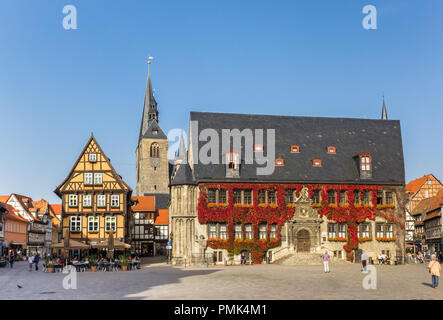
11, 259
364, 260
243, 258
36, 260
434, 270
30, 261
326, 261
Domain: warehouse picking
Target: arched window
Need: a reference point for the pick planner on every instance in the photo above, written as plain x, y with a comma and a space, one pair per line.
155, 150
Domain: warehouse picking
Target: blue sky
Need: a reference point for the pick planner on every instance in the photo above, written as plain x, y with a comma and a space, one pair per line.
307, 58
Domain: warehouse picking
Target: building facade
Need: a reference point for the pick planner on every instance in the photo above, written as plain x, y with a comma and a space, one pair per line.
149, 227
336, 184
417, 191
95, 200
14, 230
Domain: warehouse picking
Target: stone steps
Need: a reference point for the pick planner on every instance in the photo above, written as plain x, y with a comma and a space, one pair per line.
301, 258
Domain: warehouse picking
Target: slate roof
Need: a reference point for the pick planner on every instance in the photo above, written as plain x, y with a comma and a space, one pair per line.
152, 127
161, 200
381, 138
183, 176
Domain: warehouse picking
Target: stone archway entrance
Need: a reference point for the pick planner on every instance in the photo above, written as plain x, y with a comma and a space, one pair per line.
303, 241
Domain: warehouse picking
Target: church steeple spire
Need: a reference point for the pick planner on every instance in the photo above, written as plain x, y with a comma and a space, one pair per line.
384, 113
150, 112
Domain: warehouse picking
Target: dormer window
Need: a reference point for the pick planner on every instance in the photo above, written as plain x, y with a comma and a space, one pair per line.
232, 160
92, 157
332, 150
295, 149
258, 148
279, 162
365, 165
316, 163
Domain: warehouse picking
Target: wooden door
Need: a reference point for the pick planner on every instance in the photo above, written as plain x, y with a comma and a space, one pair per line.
303, 241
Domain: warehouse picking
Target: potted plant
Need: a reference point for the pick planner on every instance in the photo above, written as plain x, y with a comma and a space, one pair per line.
49, 266
92, 261
124, 261
231, 258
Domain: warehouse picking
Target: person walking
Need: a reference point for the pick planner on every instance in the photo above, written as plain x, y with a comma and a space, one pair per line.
30, 261
364, 261
326, 257
36, 260
11, 259
434, 270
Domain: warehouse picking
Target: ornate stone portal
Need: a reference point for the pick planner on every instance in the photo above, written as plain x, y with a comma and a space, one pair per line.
304, 228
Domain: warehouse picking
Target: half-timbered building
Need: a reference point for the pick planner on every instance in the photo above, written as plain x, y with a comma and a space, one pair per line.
337, 185
95, 201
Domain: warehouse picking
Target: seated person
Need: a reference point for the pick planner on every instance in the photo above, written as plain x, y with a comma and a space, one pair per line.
75, 261
380, 259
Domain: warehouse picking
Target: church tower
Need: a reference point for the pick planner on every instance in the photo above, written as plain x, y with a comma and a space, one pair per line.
152, 150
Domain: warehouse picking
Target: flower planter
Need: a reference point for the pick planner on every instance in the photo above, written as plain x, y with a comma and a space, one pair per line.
50, 270
124, 268
93, 268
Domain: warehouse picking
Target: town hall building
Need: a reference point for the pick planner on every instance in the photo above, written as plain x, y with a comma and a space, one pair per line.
337, 185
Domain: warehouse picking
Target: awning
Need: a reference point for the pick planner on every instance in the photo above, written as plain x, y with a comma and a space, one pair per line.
72, 244
104, 244
410, 246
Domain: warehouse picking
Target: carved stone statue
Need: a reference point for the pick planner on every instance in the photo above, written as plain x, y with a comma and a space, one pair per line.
203, 245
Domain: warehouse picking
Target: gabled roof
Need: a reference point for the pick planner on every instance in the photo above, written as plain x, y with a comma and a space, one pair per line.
143, 203
183, 175
25, 202
10, 213
151, 129
56, 208
415, 185
422, 207
381, 138
122, 184
4, 198
436, 201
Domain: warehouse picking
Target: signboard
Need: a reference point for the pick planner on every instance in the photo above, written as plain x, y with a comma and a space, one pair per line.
169, 244
168, 247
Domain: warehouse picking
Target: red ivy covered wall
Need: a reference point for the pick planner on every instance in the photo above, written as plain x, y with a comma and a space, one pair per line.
279, 213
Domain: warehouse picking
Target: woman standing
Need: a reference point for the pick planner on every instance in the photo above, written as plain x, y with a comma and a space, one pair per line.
434, 270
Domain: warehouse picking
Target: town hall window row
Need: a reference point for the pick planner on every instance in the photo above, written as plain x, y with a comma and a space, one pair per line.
100, 200
219, 231
244, 196
75, 224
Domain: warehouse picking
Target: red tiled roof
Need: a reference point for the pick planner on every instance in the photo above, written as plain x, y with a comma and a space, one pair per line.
144, 203
422, 207
10, 215
437, 201
4, 199
414, 185
162, 217
56, 208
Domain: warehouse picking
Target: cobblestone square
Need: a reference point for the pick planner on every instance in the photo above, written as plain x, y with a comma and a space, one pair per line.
157, 280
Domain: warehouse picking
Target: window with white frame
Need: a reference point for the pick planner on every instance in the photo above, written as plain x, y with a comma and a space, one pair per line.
87, 200
332, 230
98, 178
262, 231
389, 231
363, 230
248, 231
212, 233
110, 223
93, 224
379, 230
342, 230
92, 157
101, 200
238, 231
73, 200
115, 200
223, 232
273, 231
365, 163
88, 178
75, 224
